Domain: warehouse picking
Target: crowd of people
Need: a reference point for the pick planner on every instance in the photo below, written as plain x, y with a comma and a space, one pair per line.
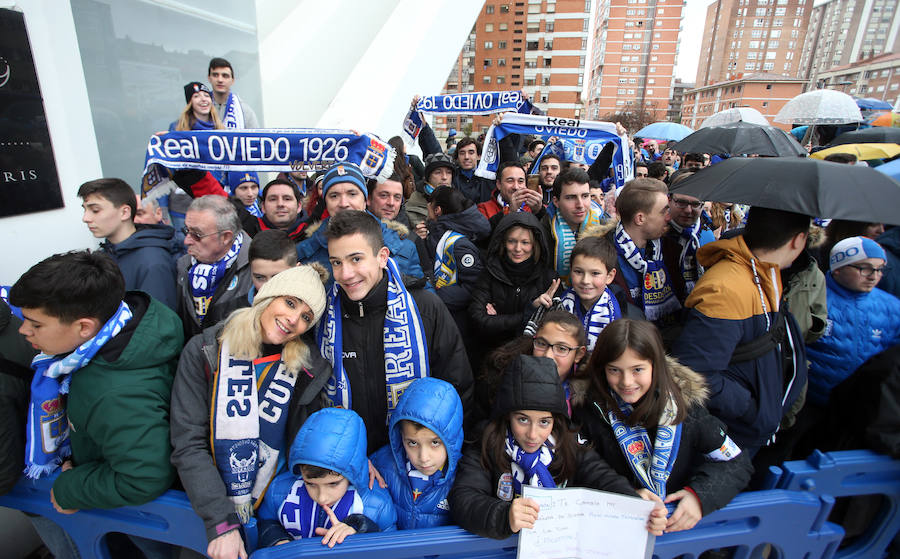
330, 354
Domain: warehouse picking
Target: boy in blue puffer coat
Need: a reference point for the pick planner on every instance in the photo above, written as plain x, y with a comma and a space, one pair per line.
326, 491
419, 463
862, 319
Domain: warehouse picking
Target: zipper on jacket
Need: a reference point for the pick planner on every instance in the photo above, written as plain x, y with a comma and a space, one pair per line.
361, 311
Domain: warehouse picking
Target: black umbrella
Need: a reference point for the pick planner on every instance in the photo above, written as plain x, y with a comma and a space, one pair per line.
874, 135
806, 186
741, 137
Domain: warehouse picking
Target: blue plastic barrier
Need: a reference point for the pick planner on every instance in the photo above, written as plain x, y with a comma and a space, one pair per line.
793, 523
169, 518
846, 474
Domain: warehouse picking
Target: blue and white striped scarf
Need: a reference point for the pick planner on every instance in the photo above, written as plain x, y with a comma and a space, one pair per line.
234, 113
530, 468
472, 103
405, 347
205, 278
564, 239
566, 129
444, 262
651, 464
302, 149
604, 311
648, 282
300, 515
47, 443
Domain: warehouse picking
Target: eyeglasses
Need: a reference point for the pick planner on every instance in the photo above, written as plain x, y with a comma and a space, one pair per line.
198, 236
683, 204
560, 350
868, 271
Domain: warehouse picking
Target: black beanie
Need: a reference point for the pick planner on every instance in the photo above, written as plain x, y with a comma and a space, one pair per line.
530, 383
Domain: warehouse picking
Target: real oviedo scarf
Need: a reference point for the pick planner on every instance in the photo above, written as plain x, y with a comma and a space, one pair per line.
205, 278
405, 348
47, 441
564, 238
234, 113
530, 468
445, 262
651, 463
470, 103
247, 422
605, 310
689, 241
300, 515
648, 282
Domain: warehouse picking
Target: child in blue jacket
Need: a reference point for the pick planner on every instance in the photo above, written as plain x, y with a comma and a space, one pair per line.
419, 463
325, 491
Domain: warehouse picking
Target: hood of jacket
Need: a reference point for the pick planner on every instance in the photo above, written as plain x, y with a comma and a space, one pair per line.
153, 337
692, 384
434, 404
469, 222
530, 383
160, 236
890, 240
335, 439
736, 251
516, 219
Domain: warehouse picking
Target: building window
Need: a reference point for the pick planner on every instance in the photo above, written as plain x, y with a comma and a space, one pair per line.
548, 26
488, 27
489, 9
534, 9
501, 62
648, 91
501, 45
765, 104
548, 45
768, 66
488, 45
503, 27
504, 9
501, 79
547, 62
486, 79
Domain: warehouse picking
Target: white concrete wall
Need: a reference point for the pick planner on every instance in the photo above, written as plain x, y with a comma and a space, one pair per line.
26, 239
357, 65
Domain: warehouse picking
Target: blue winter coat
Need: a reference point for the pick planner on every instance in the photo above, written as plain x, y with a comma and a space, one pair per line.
859, 326
315, 249
147, 261
335, 439
434, 404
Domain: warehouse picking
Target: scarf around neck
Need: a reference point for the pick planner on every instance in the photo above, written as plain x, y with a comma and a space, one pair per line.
563, 239
648, 283
419, 483
530, 468
249, 412
234, 113
47, 436
651, 463
689, 241
598, 317
205, 278
405, 346
300, 515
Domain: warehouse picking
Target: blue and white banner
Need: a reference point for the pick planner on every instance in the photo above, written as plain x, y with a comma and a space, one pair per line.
580, 140
301, 149
473, 103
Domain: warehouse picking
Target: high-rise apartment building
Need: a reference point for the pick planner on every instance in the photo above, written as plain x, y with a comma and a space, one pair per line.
842, 32
538, 46
635, 46
751, 36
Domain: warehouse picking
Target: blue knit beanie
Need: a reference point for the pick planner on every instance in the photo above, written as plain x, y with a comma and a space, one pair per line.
853, 250
345, 172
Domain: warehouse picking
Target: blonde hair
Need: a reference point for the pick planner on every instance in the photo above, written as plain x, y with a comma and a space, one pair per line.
187, 119
243, 334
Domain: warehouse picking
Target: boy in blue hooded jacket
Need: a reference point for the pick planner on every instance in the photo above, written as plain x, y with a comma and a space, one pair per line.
419, 462
325, 491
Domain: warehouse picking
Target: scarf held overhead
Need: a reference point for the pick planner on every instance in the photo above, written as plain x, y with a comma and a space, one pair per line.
405, 348
590, 132
581, 151
302, 149
472, 103
47, 435
248, 418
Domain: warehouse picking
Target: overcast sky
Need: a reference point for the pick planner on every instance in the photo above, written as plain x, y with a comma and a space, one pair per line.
691, 36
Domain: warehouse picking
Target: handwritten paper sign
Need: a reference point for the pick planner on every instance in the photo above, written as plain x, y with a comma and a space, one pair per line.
582, 523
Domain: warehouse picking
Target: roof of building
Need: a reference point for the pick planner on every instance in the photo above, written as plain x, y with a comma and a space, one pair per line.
758, 77
886, 57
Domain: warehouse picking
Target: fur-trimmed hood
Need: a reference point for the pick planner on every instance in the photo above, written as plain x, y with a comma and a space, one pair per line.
600, 230
693, 385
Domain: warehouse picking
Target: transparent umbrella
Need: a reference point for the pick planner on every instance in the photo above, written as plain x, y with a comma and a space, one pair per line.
737, 114
822, 106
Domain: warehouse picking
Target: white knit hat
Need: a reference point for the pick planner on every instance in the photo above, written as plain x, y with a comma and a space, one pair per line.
303, 282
